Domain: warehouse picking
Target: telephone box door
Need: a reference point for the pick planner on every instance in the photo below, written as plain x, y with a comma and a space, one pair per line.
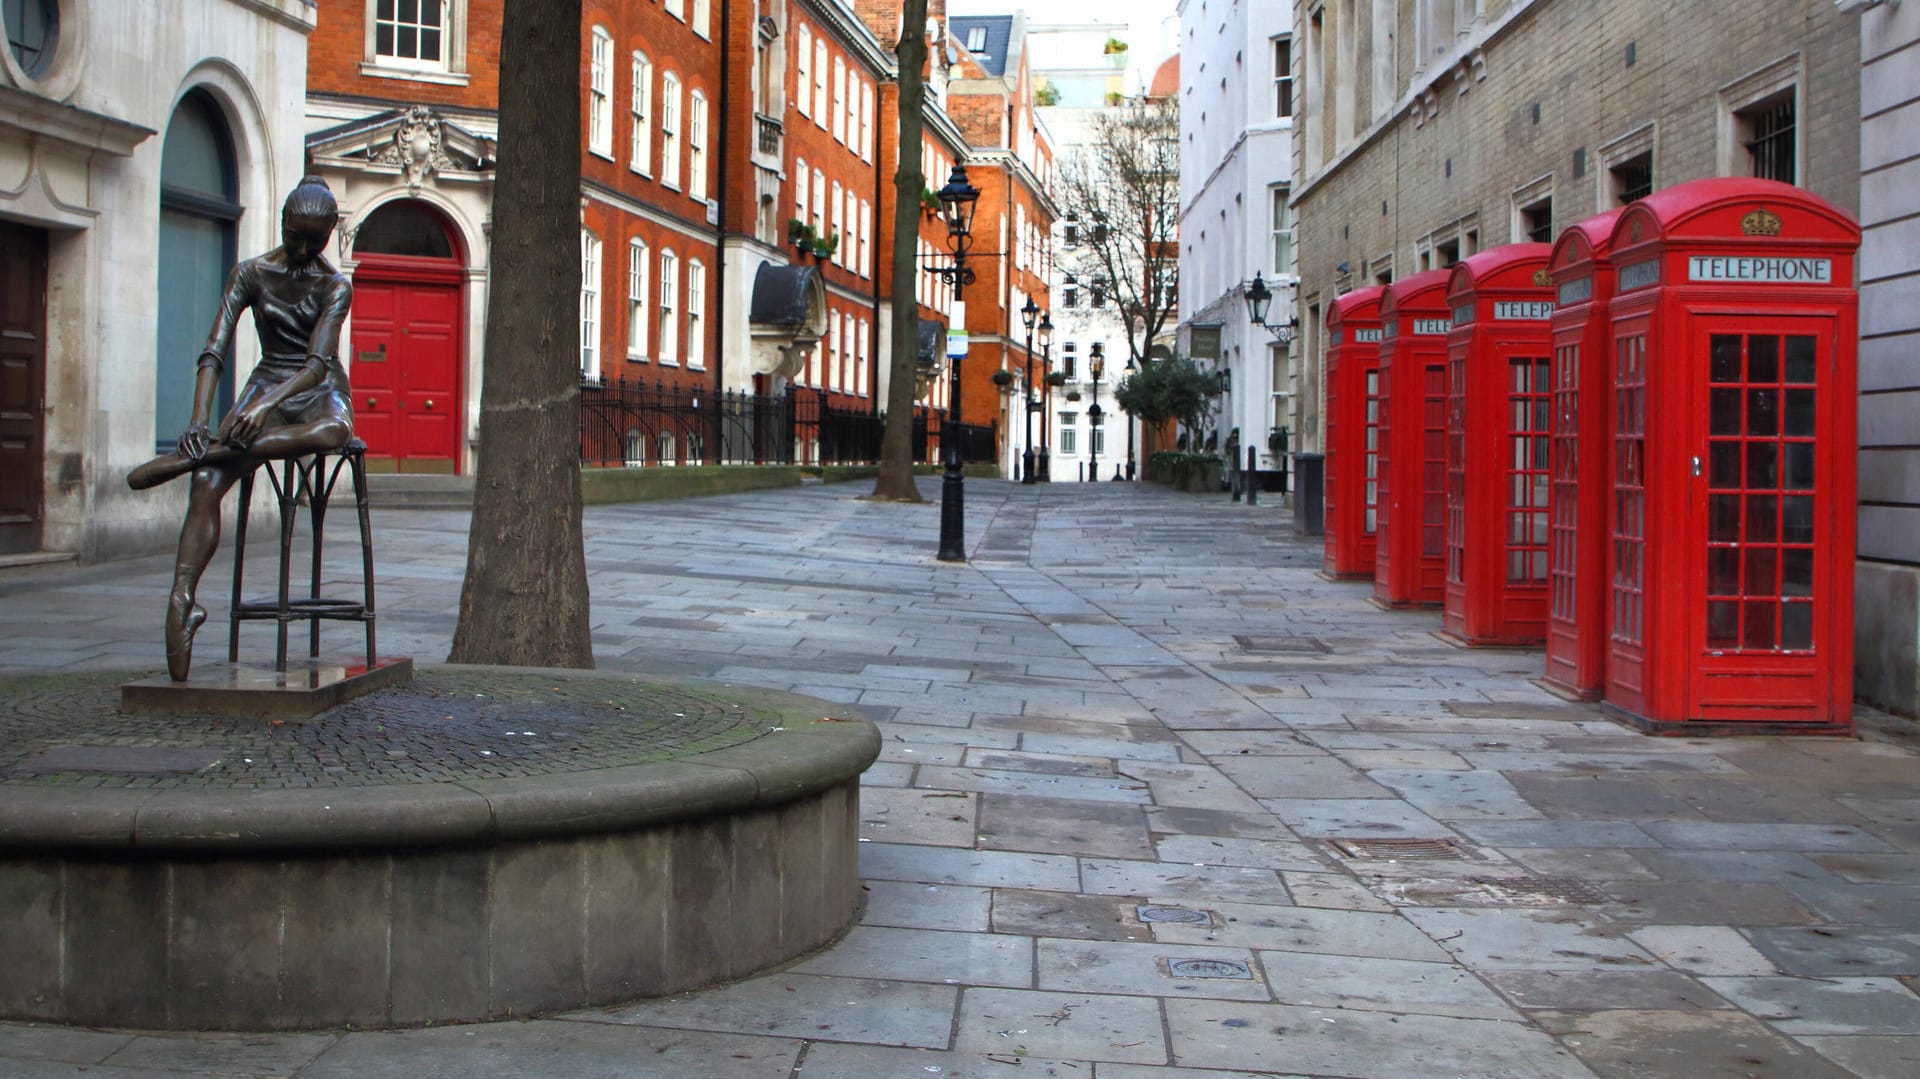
1761, 581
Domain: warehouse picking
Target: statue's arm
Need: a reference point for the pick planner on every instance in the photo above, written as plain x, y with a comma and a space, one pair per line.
233, 300
244, 426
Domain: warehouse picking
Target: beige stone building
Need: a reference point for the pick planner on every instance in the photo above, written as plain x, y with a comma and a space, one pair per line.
1430, 129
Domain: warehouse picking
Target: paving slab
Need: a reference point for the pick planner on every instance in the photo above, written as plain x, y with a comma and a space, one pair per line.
1327, 1041
1307, 929
1152, 968
825, 1060
911, 815
1707, 1044
1065, 1025
1063, 826
1160, 880
1227, 850
1604, 990
283, 1055
1528, 940
1703, 949
1371, 818
1399, 986
926, 955
792, 1005
1840, 951
1871, 1057
911, 905
1826, 1005
939, 865
73, 1045
1454, 795
574, 1049
1333, 891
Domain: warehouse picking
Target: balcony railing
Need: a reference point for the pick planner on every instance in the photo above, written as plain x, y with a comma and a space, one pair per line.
767, 132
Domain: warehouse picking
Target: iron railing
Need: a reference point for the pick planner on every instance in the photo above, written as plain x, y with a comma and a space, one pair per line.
636, 424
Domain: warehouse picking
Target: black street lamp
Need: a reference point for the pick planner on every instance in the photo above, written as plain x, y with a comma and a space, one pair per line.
1046, 396
1259, 299
1097, 362
1029, 315
1132, 370
958, 200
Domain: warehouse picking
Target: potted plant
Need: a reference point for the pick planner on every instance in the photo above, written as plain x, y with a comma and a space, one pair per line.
1116, 52
825, 246
1277, 441
1056, 378
929, 202
1073, 395
1003, 378
800, 235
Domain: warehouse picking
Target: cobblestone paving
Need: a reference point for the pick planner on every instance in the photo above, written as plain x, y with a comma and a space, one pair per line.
1158, 802
442, 727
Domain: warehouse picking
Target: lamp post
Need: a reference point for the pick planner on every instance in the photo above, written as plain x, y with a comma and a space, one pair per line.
1132, 370
1097, 362
958, 201
1029, 315
1046, 397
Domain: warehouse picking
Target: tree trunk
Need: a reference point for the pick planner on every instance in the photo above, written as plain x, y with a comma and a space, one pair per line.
525, 598
896, 442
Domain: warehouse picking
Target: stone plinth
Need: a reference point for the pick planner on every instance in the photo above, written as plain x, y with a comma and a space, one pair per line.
480, 844
305, 689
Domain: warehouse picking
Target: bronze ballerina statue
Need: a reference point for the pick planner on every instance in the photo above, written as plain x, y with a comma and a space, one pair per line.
295, 403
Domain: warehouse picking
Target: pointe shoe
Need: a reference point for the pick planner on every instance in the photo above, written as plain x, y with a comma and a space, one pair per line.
180, 631
158, 471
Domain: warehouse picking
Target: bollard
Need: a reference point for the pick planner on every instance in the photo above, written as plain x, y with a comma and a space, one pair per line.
1252, 477
953, 512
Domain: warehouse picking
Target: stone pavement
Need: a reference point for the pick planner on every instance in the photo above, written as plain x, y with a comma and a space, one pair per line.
1158, 802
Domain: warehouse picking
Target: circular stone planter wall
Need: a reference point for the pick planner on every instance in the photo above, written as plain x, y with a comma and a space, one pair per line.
483, 844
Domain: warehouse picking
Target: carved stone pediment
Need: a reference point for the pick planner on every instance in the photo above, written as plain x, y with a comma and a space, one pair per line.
418, 143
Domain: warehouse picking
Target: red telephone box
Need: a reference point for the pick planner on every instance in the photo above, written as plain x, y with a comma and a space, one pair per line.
1734, 345
1498, 355
1353, 432
1409, 562
1582, 272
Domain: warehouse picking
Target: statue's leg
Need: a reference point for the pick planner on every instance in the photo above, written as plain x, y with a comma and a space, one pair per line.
300, 439
199, 538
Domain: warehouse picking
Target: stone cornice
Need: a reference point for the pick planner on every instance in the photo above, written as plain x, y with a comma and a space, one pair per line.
69, 125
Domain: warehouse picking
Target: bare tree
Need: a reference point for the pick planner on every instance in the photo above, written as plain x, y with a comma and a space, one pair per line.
525, 597
1123, 187
895, 481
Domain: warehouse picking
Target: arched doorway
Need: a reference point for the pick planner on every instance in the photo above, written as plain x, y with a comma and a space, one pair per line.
407, 310
199, 212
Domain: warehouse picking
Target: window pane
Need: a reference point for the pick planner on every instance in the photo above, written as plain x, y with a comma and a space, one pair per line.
1763, 412
1725, 351
1763, 359
1800, 418
1724, 468
1763, 525
1723, 412
1723, 518
1799, 475
1796, 625
1763, 465
1763, 564
1799, 519
1723, 624
1723, 571
1800, 366
1796, 571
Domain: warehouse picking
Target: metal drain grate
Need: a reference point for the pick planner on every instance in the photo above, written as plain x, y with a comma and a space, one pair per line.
1173, 916
1280, 645
1400, 850
1208, 968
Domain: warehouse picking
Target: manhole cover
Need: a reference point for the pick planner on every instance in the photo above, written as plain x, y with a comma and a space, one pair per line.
1207, 968
1174, 915
1401, 850
1279, 645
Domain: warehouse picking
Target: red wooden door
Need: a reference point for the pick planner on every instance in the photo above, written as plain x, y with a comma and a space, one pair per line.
23, 361
1761, 586
406, 369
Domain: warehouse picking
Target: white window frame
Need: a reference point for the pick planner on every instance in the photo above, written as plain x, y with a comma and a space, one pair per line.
696, 314
866, 237
451, 68
1527, 198
835, 206
862, 381
839, 100
833, 351
819, 218
800, 188
669, 329
670, 130
1282, 78
677, 9
702, 20
866, 121
803, 99
697, 145
1279, 229
1786, 75
638, 265
820, 83
589, 305
1616, 152
600, 95
640, 112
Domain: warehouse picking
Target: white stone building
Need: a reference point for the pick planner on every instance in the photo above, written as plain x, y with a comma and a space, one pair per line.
143, 148
1236, 109
1887, 581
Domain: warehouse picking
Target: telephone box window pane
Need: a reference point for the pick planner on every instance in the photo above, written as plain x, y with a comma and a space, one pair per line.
1800, 367
1723, 571
1763, 359
1760, 624
1799, 519
1763, 412
1796, 626
1724, 348
1796, 571
1763, 465
1800, 417
1723, 624
1724, 458
1762, 566
1799, 466
1763, 525
1723, 412
1723, 518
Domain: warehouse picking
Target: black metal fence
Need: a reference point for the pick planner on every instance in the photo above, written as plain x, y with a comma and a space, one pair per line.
636, 424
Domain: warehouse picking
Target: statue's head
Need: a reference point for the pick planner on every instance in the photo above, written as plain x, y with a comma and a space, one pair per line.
307, 221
